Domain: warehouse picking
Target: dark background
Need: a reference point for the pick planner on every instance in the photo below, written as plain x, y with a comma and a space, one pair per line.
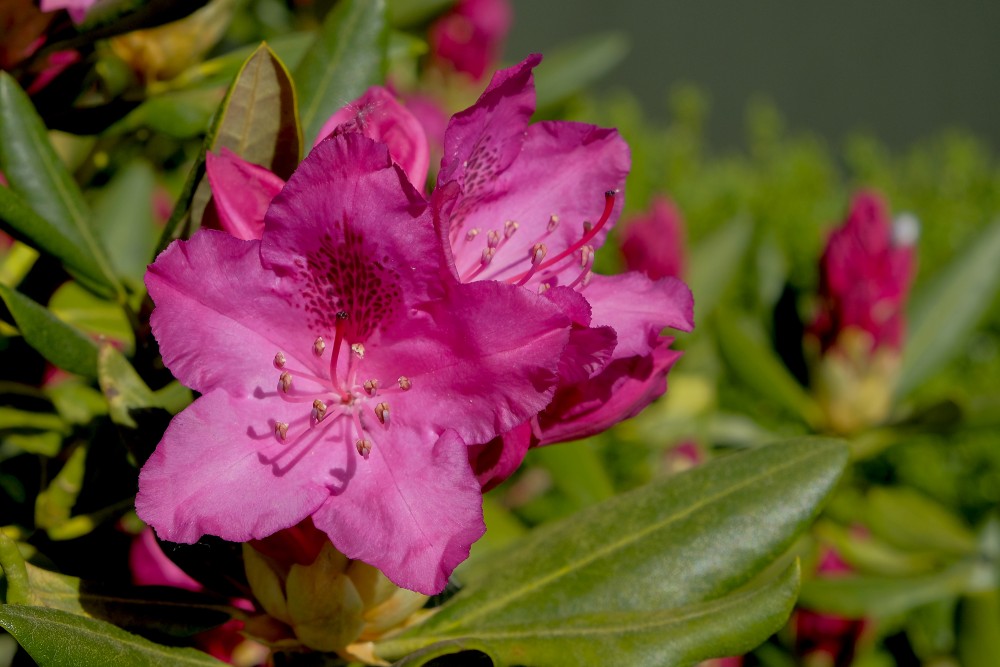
901, 69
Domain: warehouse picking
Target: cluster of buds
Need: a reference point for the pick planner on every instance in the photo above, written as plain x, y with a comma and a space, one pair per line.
315, 597
855, 340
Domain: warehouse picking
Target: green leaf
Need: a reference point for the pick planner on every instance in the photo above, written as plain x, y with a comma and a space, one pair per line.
577, 471
123, 213
715, 261
165, 609
406, 13
258, 121
679, 636
945, 313
979, 629
183, 114
348, 56
54, 505
661, 552
743, 344
15, 571
91, 314
570, 68
909, 520
36, 174
863, 596
122, 386
57, 638
62, 344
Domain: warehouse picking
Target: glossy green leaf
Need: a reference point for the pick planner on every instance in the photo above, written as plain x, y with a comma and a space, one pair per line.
665, 637
37, 175
862, 596
62, 344
15, 571
743, 345
76, 401
55, 638
123, 216
168, 610
257, 120
945, 313
183, 114
909, 520
348, 56
659, 552
979, 628
576, 471
570, 68
91, 314
715, 261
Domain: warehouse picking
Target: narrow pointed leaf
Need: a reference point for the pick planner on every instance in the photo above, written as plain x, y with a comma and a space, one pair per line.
122, 386
55, 638
60, 343
758, 366
39, 177
715, 261
949, 308
661, 549
348, 56
91, 314
258, 120
570, 68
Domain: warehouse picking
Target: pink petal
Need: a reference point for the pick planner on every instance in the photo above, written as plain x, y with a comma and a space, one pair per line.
470, 36
638, 309
210, 474
620, 391
242, 191
208, 336
481, 362
151, 567
497, 460
589, 348
563, 170
378, 116
653, 243
412, 510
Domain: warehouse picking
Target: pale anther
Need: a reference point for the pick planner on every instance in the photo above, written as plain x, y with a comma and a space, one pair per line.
472, 233
318, 410
281, 430
586, 255
509, 228
364, 447
371, 387
553, 222
359, 350
318, 346
285, 381
543, 287
488, 255
279, 360
493, 238
538, 253
404, 382
382, 412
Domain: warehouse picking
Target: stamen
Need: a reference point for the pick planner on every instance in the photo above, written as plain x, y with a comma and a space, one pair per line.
371, 387
318, 412
359, 350
537, 254
509, 228
281, 430
553, 222
382, 412
285, 381
544, 287
488, 254
586, 256
492, 239
404, 383
609, 205
279, 360
364, 446
583, 279
472, 233
318, 346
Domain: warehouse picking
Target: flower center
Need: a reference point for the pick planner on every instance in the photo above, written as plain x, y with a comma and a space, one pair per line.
541, 267
340, 393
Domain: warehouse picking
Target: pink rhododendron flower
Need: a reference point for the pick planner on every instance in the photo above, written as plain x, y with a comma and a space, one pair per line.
528, 204
77, 8
343, 373
865, 277
469, 36
654, 242
833, 637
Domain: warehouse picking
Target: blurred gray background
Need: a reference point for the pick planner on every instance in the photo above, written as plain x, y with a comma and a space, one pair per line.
901, 69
